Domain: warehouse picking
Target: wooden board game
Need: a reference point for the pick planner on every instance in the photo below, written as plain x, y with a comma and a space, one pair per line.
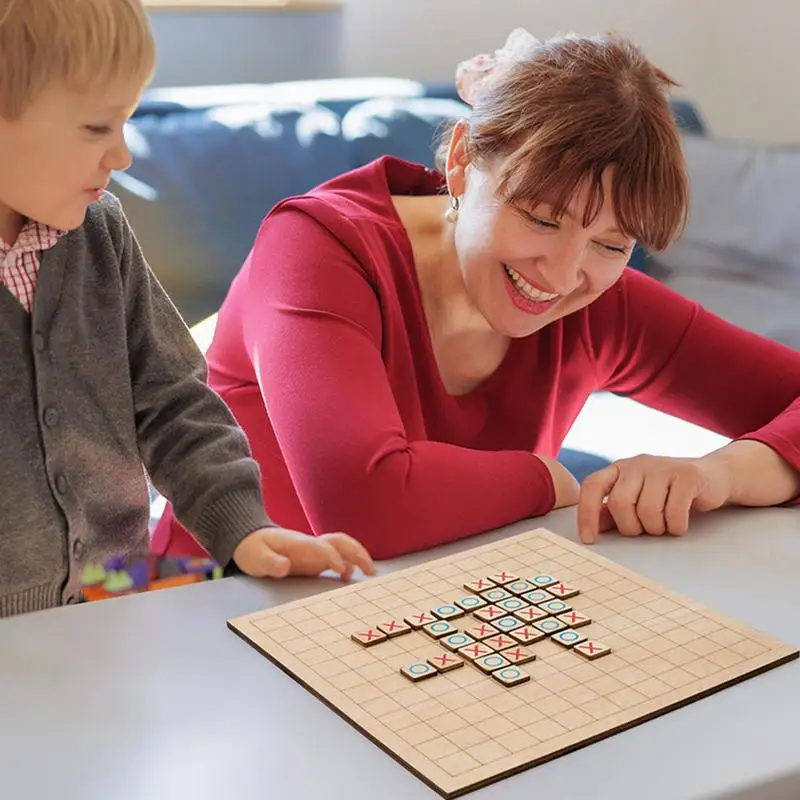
471, 668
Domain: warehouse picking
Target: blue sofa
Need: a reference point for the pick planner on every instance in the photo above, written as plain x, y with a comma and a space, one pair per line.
210, 162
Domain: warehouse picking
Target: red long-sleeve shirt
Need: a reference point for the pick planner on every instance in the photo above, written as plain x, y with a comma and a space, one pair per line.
324, 327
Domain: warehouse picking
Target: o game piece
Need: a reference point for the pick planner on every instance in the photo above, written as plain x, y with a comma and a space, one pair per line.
550, 625
519, 587
574, 619
507, 624
445, 662
555, 607
491, 662
569, 637
537, 596
493, 595
592, 650
471, 602
419, 620
447, 611
563, 591
542, 581
369, 637
512, 604
456, 640
479, 585
419, 671
511, 676
440, 628
394, 627
518, 655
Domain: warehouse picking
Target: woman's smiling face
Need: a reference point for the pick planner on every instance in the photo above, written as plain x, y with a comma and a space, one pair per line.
522, 267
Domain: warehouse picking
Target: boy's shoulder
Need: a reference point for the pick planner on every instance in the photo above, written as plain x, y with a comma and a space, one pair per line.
106, 215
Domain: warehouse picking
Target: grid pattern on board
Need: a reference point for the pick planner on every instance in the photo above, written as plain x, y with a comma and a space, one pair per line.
462, 729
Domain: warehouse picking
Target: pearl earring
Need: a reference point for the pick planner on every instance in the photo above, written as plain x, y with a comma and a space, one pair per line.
451, 215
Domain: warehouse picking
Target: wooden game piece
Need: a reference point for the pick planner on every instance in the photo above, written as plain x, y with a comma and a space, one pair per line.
456, 640
537, 596
568, 637
591, 650
491, 662
499, 642
446, 662
518, 654
530, 614
503, 577
519, 587
555, 607
489, 613
574, 619
493, 595
550, 625
471, 602
527, 635
419, 671
543, 581
447, 611
419, 620
563, 591
479, 585
473, 651
507, 624
511, 676
369, 637
394, 627
440, 628
512, 604
481, 631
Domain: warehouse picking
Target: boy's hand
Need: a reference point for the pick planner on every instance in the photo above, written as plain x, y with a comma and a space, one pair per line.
276, 553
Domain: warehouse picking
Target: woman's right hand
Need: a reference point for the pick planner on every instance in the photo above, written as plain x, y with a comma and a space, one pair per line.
567, 488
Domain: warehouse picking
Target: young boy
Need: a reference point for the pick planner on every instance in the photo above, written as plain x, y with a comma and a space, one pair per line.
101, 379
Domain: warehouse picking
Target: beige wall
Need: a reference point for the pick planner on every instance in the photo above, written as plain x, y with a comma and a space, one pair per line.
735, 57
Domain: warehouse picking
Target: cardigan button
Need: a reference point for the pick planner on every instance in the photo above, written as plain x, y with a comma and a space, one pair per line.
51, 417
38, 342
61, 484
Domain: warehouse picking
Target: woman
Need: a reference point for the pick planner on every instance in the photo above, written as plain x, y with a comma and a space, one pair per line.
406, 348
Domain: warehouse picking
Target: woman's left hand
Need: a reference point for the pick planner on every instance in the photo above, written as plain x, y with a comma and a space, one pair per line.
650, 494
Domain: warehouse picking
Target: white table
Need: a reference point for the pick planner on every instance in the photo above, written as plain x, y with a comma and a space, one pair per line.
152, 696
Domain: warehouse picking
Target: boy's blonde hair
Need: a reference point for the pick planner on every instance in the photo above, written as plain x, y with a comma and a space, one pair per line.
79, 44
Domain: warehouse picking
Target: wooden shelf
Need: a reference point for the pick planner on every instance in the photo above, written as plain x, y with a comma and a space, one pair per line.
244, 5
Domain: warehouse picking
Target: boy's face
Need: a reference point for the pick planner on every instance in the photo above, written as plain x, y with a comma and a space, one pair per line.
57, 157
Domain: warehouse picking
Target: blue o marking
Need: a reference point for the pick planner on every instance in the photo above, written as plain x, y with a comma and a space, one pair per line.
447, 609
470, 601
569, 636
440, 626
549, 623
505, 623
457, 638
509, 673
489, 660
419, 669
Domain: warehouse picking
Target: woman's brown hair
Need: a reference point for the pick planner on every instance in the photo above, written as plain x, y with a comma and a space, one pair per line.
575, 107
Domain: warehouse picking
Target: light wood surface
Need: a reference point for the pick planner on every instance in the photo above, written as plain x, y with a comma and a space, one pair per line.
475, 722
